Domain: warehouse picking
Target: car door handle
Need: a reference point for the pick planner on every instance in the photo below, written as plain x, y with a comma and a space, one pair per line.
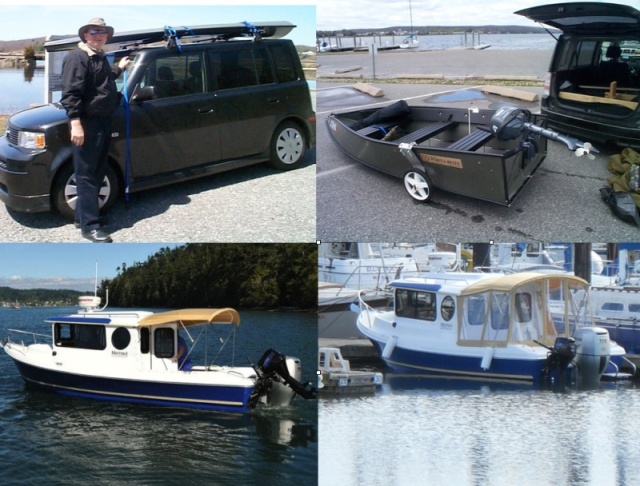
204, 111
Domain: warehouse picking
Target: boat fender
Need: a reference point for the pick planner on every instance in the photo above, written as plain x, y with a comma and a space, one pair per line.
487, 358
389, 347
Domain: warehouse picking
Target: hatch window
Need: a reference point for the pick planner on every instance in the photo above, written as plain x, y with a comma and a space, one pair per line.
163, 342
84, 336
447, 308
121, 338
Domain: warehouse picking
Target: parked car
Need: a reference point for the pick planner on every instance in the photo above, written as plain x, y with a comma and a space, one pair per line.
195, 109
592, 89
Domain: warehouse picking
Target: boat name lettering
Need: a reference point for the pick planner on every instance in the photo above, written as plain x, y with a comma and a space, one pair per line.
446, 326
119, 353
436, 159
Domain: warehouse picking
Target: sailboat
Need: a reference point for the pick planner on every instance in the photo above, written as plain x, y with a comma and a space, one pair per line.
411, 41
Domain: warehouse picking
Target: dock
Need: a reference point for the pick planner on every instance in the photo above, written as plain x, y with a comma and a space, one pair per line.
359, 352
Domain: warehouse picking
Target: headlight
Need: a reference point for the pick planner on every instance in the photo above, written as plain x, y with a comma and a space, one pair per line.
31, 140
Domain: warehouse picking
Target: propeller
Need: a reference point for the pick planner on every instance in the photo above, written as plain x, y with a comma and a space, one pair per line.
586, 150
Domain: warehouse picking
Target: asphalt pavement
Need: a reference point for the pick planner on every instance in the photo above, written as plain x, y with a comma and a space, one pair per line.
254, 204
355, 203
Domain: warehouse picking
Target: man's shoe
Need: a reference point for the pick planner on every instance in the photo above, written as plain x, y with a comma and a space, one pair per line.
97, 236
102, 221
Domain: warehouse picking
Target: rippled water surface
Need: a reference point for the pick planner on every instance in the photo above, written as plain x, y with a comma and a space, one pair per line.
450, 433
51, 439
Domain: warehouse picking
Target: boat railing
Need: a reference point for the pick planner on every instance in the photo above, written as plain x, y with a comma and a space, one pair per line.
17, 336
364, 307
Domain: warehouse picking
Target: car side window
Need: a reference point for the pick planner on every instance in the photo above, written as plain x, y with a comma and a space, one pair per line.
285, 66
176, 75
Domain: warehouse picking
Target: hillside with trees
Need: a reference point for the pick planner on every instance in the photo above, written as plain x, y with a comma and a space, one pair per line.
38, 297
246, 276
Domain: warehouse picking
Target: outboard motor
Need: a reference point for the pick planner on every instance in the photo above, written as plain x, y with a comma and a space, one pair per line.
560, 356
592, 355
275, 372
508, 123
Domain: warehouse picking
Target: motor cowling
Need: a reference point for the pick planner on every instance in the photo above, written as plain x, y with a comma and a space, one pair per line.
593, 349
276, 367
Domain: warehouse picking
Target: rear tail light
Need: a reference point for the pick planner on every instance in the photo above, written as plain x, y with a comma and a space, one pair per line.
547, 85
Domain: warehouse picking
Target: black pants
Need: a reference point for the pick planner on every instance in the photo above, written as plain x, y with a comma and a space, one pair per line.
90, 165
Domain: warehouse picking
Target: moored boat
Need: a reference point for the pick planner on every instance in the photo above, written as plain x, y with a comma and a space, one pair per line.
337, 377
487, 326
140, 356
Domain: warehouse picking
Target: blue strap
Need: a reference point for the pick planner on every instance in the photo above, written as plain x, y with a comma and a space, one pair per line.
382, 129
252, 28
127, 153
171, 33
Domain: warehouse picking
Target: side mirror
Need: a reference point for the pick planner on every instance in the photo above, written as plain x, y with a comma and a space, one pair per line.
144, 94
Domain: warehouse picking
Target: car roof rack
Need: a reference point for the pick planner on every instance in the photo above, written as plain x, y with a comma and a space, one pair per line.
173, 36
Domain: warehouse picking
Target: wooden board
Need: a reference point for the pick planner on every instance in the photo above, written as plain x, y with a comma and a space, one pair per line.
511, 93
275, 30
596, 99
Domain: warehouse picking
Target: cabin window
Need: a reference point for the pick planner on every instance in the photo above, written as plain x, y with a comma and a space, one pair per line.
163, 342
523, 306
144, 340
415, 304
500, 311
613, 306
447, 308
634, 307
121, 338
475, 310
83, 336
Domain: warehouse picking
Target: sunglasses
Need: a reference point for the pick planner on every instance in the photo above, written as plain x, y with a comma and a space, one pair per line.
97, 32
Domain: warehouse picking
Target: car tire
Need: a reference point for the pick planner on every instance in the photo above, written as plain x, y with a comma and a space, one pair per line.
418, 185
288, 146
64, 194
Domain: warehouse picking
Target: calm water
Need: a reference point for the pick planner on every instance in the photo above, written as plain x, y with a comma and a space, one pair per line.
432, 433
50, 439
19, 89
542, 42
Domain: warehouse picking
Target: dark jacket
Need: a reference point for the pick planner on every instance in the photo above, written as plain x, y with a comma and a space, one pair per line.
88, 84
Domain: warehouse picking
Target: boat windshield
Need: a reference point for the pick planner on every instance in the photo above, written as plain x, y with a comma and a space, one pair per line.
522, 311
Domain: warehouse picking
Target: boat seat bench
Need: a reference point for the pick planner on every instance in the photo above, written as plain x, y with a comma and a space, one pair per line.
428, 131
377, 129
471, 142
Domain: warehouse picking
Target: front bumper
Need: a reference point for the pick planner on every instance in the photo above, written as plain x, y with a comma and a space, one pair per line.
24, 178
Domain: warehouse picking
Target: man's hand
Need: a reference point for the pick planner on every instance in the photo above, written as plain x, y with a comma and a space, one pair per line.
77, 132
124, 62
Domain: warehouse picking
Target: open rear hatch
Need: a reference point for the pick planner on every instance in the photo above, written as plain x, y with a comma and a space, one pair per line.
586, 17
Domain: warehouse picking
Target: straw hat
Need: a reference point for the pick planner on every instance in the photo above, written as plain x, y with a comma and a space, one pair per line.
96, 22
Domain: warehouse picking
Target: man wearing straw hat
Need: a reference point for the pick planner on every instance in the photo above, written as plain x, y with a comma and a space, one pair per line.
90, 97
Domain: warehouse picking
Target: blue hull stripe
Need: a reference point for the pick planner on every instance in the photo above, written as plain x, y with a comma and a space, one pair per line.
500, 369
221, 398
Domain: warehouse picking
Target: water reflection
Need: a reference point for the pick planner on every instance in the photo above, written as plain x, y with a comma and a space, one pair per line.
29, 71
470, 433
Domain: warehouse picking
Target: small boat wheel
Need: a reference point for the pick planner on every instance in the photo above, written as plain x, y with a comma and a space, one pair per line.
418, 185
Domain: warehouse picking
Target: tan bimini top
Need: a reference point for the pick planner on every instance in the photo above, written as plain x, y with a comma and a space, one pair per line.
192, 317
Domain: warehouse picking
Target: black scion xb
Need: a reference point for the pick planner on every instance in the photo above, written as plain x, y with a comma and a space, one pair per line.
194, 109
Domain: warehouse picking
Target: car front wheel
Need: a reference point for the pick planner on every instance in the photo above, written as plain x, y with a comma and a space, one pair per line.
65, 191
288, 146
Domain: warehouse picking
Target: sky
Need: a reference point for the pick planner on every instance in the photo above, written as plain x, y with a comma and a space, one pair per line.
23, 21
67, 265
355, 14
